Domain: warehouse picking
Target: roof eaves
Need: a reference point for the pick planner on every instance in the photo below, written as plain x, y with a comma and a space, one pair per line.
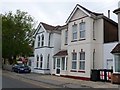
116, 11
110, 20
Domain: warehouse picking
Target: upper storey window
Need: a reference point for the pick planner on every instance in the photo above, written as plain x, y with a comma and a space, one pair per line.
82, 30
38, 41
74, 32
66, 37
42, 41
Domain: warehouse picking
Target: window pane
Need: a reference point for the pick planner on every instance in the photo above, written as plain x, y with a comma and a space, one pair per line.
74, 36
37, 61
82, 26
66, 62
74, 31
48, 61
41, 59
82, 65
38, 38
82, 56
63, 63
42, 42
58, 62
82, 34
74, 64
82, 30
38, 44
66, 37
42, 37
74, 56
54, 63
117, 63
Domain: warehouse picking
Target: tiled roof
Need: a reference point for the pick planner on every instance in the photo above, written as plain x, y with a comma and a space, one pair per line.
47, 26
53, 28
61, 53
116, 49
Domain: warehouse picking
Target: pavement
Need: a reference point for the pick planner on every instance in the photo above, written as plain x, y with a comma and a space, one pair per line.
64, 82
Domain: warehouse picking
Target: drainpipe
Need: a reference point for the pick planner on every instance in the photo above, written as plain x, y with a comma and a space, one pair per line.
119, 22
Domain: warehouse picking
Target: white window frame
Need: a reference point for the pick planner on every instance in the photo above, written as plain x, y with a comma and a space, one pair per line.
74, 60
66, 37
49, 39
38, 41
74, 32
63, 64
82, 29
54, 63
48, 59
42, 40
81, 60
41, 61
37, 61
116, 56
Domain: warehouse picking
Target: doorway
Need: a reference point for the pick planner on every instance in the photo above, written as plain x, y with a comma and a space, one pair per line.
58, 66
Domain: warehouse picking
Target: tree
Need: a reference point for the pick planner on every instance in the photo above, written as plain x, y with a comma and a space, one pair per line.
15, 34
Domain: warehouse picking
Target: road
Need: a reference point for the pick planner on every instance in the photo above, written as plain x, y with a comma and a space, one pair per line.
8, 82
11, 80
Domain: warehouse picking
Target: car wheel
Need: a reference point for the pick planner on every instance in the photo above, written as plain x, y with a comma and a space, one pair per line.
18, 71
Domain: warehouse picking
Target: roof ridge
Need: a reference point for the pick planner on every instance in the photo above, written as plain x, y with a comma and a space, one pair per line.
47, 24
88, 10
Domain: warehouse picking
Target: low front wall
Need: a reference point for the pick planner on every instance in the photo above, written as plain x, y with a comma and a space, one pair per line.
7, 67
41, 71
76, 77
115, 78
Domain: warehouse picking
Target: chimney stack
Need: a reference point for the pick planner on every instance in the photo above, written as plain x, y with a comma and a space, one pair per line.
108, 13
119, 4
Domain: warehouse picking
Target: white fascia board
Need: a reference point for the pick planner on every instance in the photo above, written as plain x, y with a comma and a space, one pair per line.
41, 26
77, 7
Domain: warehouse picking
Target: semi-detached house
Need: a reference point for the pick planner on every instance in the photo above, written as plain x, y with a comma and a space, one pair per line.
74, 49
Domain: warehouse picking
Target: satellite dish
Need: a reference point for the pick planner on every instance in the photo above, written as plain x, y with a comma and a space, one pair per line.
119, 4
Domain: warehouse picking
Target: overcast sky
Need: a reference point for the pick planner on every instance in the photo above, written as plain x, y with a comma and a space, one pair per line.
56, 12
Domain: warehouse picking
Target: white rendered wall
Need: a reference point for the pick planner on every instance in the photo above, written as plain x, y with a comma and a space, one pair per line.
107, 49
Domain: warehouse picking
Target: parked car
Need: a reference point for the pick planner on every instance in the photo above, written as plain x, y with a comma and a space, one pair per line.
21, 68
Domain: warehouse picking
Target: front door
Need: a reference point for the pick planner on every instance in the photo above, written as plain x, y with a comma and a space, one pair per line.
58, 66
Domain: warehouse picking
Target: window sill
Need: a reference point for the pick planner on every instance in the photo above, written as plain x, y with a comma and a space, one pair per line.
81, 71
81, 39
73, 70
73, 40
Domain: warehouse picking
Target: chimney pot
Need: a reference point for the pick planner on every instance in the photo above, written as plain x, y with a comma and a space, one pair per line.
108, 13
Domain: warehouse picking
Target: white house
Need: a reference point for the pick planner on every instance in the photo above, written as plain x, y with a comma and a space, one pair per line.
116, 53
47, 43
83, 42
72, 50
